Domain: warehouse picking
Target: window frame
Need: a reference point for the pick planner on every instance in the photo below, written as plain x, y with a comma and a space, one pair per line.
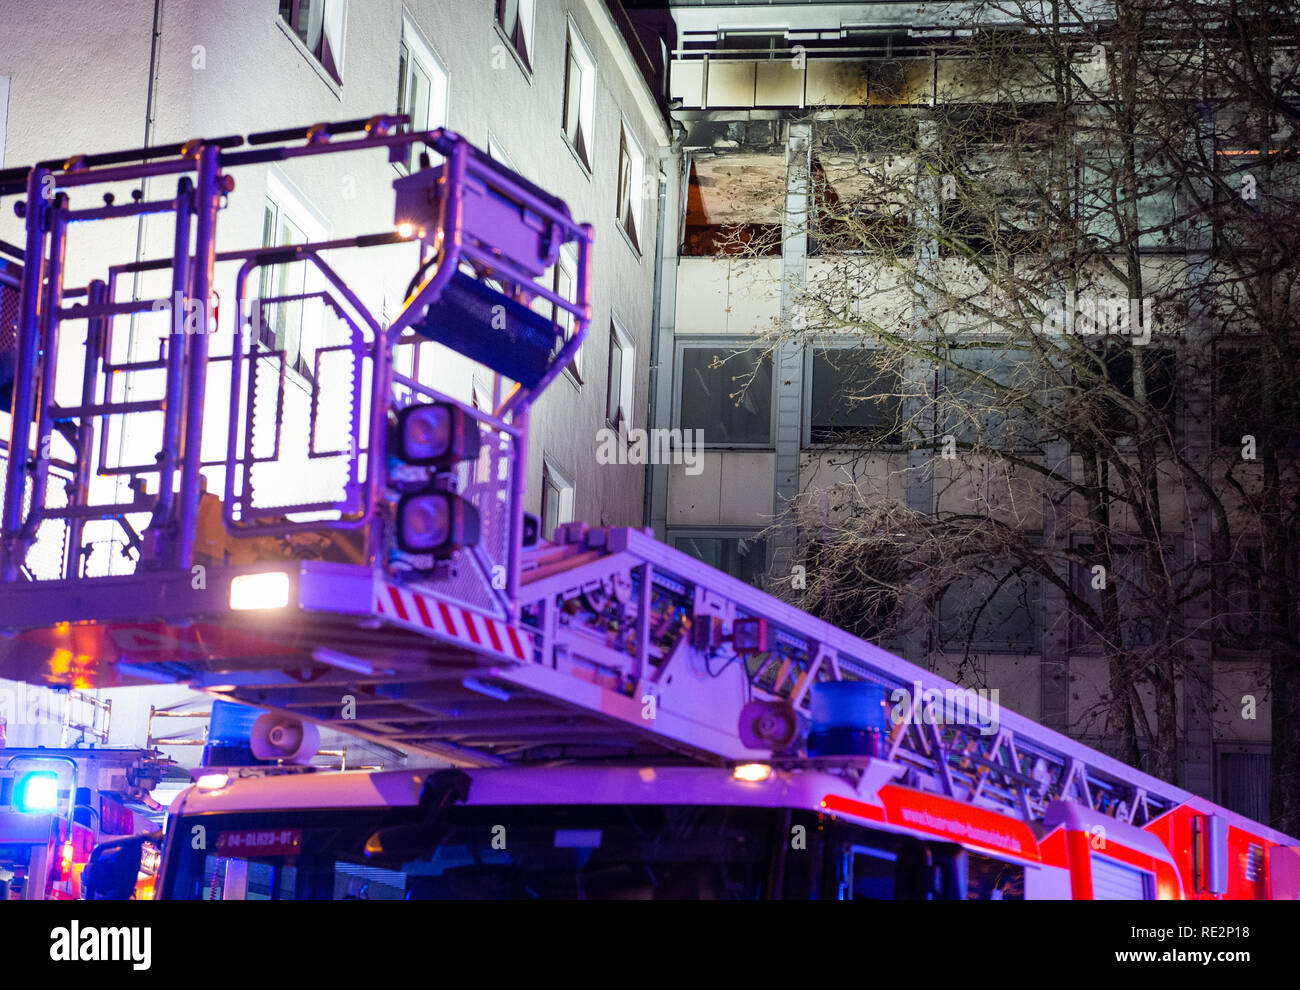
415, 48
618, 336
553, 477
1038, 628
574, 42
629, 149
954, 384
525, 26
291, 206
810, 356
737, 343
567, 263
331, 71
675, 533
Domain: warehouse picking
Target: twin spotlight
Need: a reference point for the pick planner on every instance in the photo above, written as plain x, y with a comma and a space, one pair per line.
428, 441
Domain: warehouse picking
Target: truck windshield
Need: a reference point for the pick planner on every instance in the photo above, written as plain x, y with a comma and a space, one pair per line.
592, 852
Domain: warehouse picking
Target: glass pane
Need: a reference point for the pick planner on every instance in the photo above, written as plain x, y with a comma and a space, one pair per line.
624, 181
991, 614
550, 506
727, 394
853, 399
614, 387
292, 281
420, 90
403, 106
743, 557
573, 109
973, 407
311, 24
508, 15
269, 316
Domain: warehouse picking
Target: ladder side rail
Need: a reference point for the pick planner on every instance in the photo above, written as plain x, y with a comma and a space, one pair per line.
26, 391
173, 395
207, 201
85, 433
50, 333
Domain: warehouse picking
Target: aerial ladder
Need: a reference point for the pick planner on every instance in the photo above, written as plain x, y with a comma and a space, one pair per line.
416, 605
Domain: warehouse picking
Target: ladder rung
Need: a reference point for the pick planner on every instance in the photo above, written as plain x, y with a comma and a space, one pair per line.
82, 311
109, 408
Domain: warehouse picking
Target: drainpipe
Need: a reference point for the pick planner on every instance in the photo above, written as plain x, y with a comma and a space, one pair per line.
652, 409
151, 95
653, 413
155, 50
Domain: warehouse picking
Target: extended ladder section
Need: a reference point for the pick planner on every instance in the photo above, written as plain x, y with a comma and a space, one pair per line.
411, 603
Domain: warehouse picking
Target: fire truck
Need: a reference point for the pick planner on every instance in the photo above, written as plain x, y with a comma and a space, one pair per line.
57, 804
611, 718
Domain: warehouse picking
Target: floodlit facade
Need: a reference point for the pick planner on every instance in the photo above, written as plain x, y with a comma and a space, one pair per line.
558, 91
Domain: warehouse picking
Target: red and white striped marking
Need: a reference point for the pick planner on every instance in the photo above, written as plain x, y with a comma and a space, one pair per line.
474, 629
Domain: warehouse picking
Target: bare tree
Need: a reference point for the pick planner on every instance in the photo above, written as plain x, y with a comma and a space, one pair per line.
1067, 295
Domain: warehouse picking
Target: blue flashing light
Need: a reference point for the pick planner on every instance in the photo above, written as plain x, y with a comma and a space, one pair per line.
230, 729
849, 718
37, 792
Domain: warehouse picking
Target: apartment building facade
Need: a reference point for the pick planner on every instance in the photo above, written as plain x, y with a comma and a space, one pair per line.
552, 88
745, 81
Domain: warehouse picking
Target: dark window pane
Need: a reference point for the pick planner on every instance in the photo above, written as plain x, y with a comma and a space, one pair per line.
614, 384
854, 400
1244, 784
988, 613
744, 557
1128, 574
974, 409
720, 397
1158, 375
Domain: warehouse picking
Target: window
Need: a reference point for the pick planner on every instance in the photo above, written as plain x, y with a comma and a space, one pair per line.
557, 499
862, 204
853, 399
743, 557
618, 390
1263, 186
1104, 208
564, 282
1243, 783
294, 325
318, 24
579, 98
631, 183
556, 852
984, 402
1159, 375
714, 224
1129, 574
1249, 397
514, 19
851, 583
1244, 619
994, 611
727, 393
421, 85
